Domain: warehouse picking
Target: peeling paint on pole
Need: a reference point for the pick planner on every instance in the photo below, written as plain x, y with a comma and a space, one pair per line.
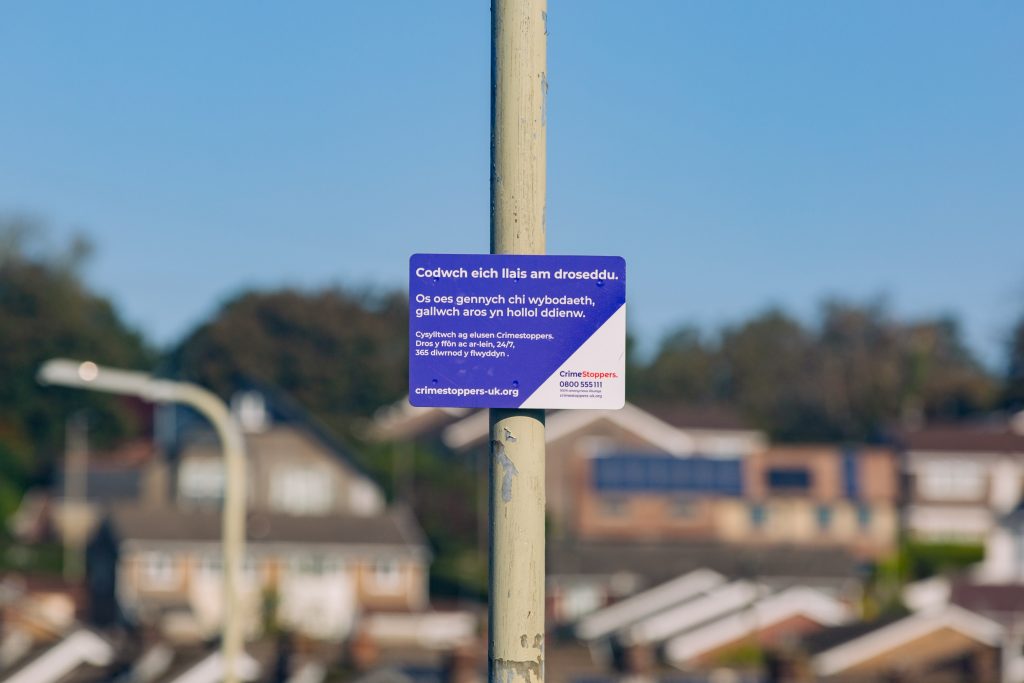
508, 470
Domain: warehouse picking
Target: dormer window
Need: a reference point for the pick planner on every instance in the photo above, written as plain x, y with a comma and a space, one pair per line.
301, 490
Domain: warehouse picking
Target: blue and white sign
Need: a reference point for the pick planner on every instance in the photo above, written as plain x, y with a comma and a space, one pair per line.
497, 331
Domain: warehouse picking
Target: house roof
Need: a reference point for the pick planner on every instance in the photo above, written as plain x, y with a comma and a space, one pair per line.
965, 438
700, 609
80, 649
211, 669
662, 597
402, 420
858, 645
765, 613
991, 599
837, 635
670, 438
103, 485
282, 410
165, 524
689, 416
659, 562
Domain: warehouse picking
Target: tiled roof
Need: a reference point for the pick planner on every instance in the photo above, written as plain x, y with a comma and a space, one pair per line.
394, 528
837, 635
989, 598
971, 439
658, 562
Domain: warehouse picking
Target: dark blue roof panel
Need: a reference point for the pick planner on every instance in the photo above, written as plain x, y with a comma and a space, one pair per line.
668, 474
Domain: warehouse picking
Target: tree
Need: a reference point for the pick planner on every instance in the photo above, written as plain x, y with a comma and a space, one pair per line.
686, 367
46, 310
853, 375
1013, 391
771, 366
340, 354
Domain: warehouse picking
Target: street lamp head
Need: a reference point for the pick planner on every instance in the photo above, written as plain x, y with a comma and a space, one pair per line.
88, 371
89, 375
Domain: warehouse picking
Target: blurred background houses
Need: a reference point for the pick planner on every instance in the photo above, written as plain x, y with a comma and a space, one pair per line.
819, 473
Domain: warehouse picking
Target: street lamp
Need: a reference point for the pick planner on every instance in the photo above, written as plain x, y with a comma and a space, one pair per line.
89, 375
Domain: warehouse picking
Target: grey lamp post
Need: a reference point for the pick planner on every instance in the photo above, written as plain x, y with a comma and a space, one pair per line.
89, 375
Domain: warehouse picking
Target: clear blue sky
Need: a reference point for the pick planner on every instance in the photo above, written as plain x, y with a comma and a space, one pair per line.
739, 155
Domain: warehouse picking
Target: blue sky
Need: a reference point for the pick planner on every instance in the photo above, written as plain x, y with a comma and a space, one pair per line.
739, 155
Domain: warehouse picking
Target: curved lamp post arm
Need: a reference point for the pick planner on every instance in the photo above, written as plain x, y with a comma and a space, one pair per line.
89, 375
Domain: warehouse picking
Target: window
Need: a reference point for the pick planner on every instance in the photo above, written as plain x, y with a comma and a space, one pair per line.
211, 565
789, 479
158, 570
758, 515
683, 507
863, 517
387, 575
613, 506
301, 490
824, 517
364, 498
201, 480
316, 565
951, 480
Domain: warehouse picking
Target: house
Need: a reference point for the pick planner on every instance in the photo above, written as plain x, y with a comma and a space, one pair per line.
575, 437
822, 495
81, 655
313, 575
294, 465
789, 495
763, 619
1004, 551
583, 577
960, 479
402, 421
694, 619
947, 644
71, 508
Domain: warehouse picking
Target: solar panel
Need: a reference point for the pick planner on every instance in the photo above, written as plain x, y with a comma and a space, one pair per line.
627, 473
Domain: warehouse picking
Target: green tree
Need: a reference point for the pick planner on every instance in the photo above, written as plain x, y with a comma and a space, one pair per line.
854, 374
771, 363
340, 354
686, 367
46, 310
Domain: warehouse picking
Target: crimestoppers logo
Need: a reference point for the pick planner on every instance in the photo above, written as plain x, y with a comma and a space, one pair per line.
588, 374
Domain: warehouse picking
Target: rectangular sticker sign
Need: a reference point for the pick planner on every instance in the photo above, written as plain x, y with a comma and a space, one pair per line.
497, 331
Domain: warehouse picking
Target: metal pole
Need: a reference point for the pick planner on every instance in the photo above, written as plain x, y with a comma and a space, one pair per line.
518, 183
89, 375
75, 495
233, 519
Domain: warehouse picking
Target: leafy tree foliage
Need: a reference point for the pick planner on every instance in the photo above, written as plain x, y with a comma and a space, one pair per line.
340, 354
47, 311
855, 372
686, 367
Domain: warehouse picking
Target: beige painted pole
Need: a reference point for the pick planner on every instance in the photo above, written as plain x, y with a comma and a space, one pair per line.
75, 496
89, 375
233, 518
518, 184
